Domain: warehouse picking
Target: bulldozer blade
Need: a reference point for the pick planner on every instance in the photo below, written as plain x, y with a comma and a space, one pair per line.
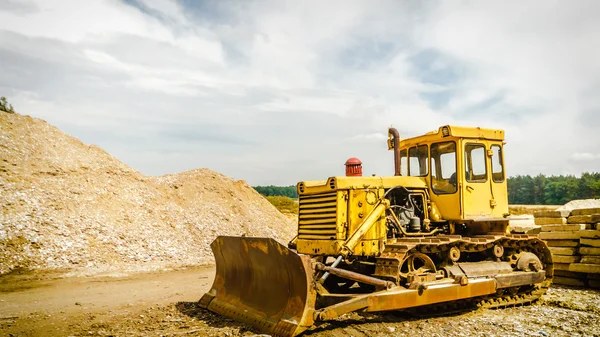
262, 283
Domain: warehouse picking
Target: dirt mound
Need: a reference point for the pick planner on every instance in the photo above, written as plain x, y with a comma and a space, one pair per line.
64, 204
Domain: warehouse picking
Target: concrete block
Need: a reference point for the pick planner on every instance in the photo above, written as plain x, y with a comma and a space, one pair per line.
563, 251
559, 235
562, 266
562, 228
586, 211
525, 229
590, 259
565, 259
580, 219
523, 224
550, 221
566, 273
589, 234
567, 281
524, 219
584, 268
589, 250
551, 214
562, 243
590, 242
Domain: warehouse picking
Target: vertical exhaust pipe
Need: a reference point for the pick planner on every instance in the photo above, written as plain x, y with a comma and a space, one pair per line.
394, 144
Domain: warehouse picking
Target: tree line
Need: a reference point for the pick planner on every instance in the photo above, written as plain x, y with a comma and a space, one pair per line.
553, 190
522, 190
286, 191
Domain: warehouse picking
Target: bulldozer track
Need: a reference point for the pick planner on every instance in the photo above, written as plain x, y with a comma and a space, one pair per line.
395, 254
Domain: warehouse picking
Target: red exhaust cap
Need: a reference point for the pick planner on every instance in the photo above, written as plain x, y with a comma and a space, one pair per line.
353, 167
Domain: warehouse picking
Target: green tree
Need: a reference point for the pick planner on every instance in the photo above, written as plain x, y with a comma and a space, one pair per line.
285, 191
552, 190
5, 106
538, 189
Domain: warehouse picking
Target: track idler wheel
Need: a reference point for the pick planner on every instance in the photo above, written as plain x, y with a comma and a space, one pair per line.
529, 262
416, 264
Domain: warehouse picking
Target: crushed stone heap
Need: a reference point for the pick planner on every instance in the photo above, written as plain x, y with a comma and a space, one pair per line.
65, 204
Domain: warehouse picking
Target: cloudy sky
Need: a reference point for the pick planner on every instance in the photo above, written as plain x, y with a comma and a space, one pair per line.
275, 92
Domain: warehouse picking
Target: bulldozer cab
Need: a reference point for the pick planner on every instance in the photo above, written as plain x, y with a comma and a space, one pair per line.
462, 167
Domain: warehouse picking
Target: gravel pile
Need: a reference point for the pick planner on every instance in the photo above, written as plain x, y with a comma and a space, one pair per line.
65, 204
579, 204
563, 312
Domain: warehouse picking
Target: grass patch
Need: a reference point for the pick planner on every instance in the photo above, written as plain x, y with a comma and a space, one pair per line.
529, 209
284, 204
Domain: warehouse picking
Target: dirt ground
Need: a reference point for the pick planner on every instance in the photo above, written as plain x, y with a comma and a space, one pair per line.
164, 304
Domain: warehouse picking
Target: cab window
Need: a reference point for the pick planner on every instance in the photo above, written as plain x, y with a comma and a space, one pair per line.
497, 166
443, 168
475, 165
403, 163
417, 161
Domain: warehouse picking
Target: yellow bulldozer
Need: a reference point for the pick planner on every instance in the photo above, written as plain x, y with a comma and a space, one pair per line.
434, 237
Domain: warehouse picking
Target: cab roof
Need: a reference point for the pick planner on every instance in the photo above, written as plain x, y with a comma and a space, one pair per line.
451, 131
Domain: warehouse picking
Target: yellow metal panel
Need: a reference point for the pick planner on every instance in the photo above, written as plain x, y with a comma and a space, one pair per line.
312, 183
325, 209
317, 231
400, 298
448, 205
313, 233
319, 216
355, 183
378, 182
358, 209
479, 133
327, 204
476, 194
310, 222
342, 215
500, 189
315, 245
319, 200
319, 226
501, 198
454, 133
487, 199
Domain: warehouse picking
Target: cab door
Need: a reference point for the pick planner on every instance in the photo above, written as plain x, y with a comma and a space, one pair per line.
444, 185
498, 180
476, 188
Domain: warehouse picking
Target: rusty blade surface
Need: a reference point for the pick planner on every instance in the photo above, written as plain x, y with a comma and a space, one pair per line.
262, 283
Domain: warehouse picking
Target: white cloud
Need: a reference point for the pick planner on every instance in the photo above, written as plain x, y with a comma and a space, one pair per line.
274, 92
370, 137
71, 20
585, 156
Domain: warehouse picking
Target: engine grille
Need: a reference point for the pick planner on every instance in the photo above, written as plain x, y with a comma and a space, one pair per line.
317, 216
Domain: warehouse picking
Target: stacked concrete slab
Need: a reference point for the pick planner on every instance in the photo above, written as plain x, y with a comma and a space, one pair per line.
523, 224
572, 237
563, 239
589, 245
